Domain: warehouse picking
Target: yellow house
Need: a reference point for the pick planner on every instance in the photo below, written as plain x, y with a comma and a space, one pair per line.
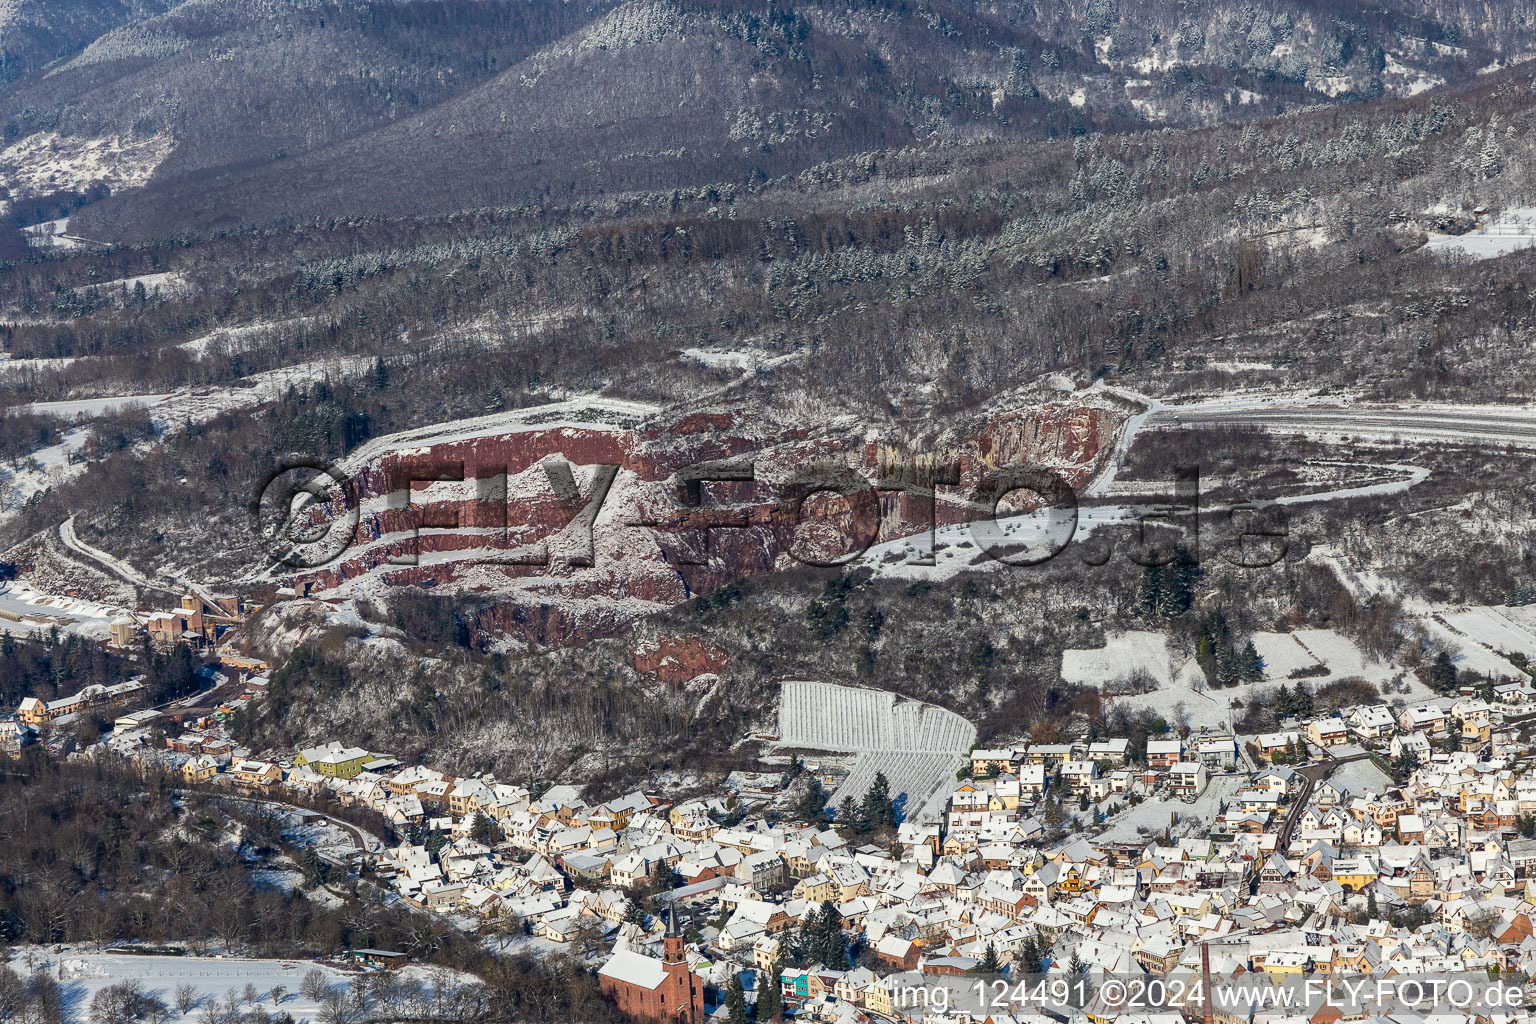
255, 773
1355, 873
1350, 959
333, 760
1328, 732
200, 768
816, 889
1285, 963
959, 843
877, 997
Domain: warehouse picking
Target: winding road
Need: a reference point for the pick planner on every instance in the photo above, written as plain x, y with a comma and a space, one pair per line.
1313, 774
363, 841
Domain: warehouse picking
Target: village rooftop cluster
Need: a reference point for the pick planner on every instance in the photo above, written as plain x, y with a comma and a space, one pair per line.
1389, 839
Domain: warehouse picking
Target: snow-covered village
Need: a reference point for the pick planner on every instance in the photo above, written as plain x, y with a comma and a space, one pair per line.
878, 850
666, 511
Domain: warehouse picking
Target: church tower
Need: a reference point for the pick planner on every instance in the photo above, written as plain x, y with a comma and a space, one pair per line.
673, 943
687, 1002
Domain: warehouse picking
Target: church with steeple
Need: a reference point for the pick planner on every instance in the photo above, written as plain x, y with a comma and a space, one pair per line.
662, 991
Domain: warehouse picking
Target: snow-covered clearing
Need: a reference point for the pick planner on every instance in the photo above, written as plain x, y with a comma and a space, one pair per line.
1282, 654
245, 338
1239, 367
1497, 629
213, 979
52, 234
1514, 230
1123, 655
200, 404
43, 469
21, 367
170, 284
1474, 637
1200, 706
730, 359
1181, 680
1466, 651
50, 162
88, 408
1360, 776
1341, 656
1158, 813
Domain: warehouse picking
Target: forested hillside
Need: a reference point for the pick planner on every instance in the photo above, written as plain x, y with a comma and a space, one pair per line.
293, 229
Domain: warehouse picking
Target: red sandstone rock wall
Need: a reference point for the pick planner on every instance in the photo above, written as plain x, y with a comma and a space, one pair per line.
676, 660
648, 543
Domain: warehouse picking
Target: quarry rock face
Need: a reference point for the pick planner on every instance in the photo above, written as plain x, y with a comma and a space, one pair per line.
677, 659
578, 529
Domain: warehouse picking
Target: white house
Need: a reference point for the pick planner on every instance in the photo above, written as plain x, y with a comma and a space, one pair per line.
1370, 721
1187, 778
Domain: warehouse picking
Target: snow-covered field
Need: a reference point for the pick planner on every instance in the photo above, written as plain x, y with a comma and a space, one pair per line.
213, 978
737, 359
41, 470
1342, 657
21, 366
1360, 776
1181, 681
1498, 629
87, 408
1467, 653
234, 340
166, 285
1123, 655
918, 746
1514, 230
1156, 814
51, 234
1282, 654
1139, 652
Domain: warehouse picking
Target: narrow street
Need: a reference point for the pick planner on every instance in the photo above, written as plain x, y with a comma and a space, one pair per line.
1313, 774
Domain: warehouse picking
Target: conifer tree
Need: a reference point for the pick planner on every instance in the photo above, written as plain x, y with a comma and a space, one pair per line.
735, 1001
1252, 666
834, 947
878, 805
1149, 600
990, 964
770, 994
